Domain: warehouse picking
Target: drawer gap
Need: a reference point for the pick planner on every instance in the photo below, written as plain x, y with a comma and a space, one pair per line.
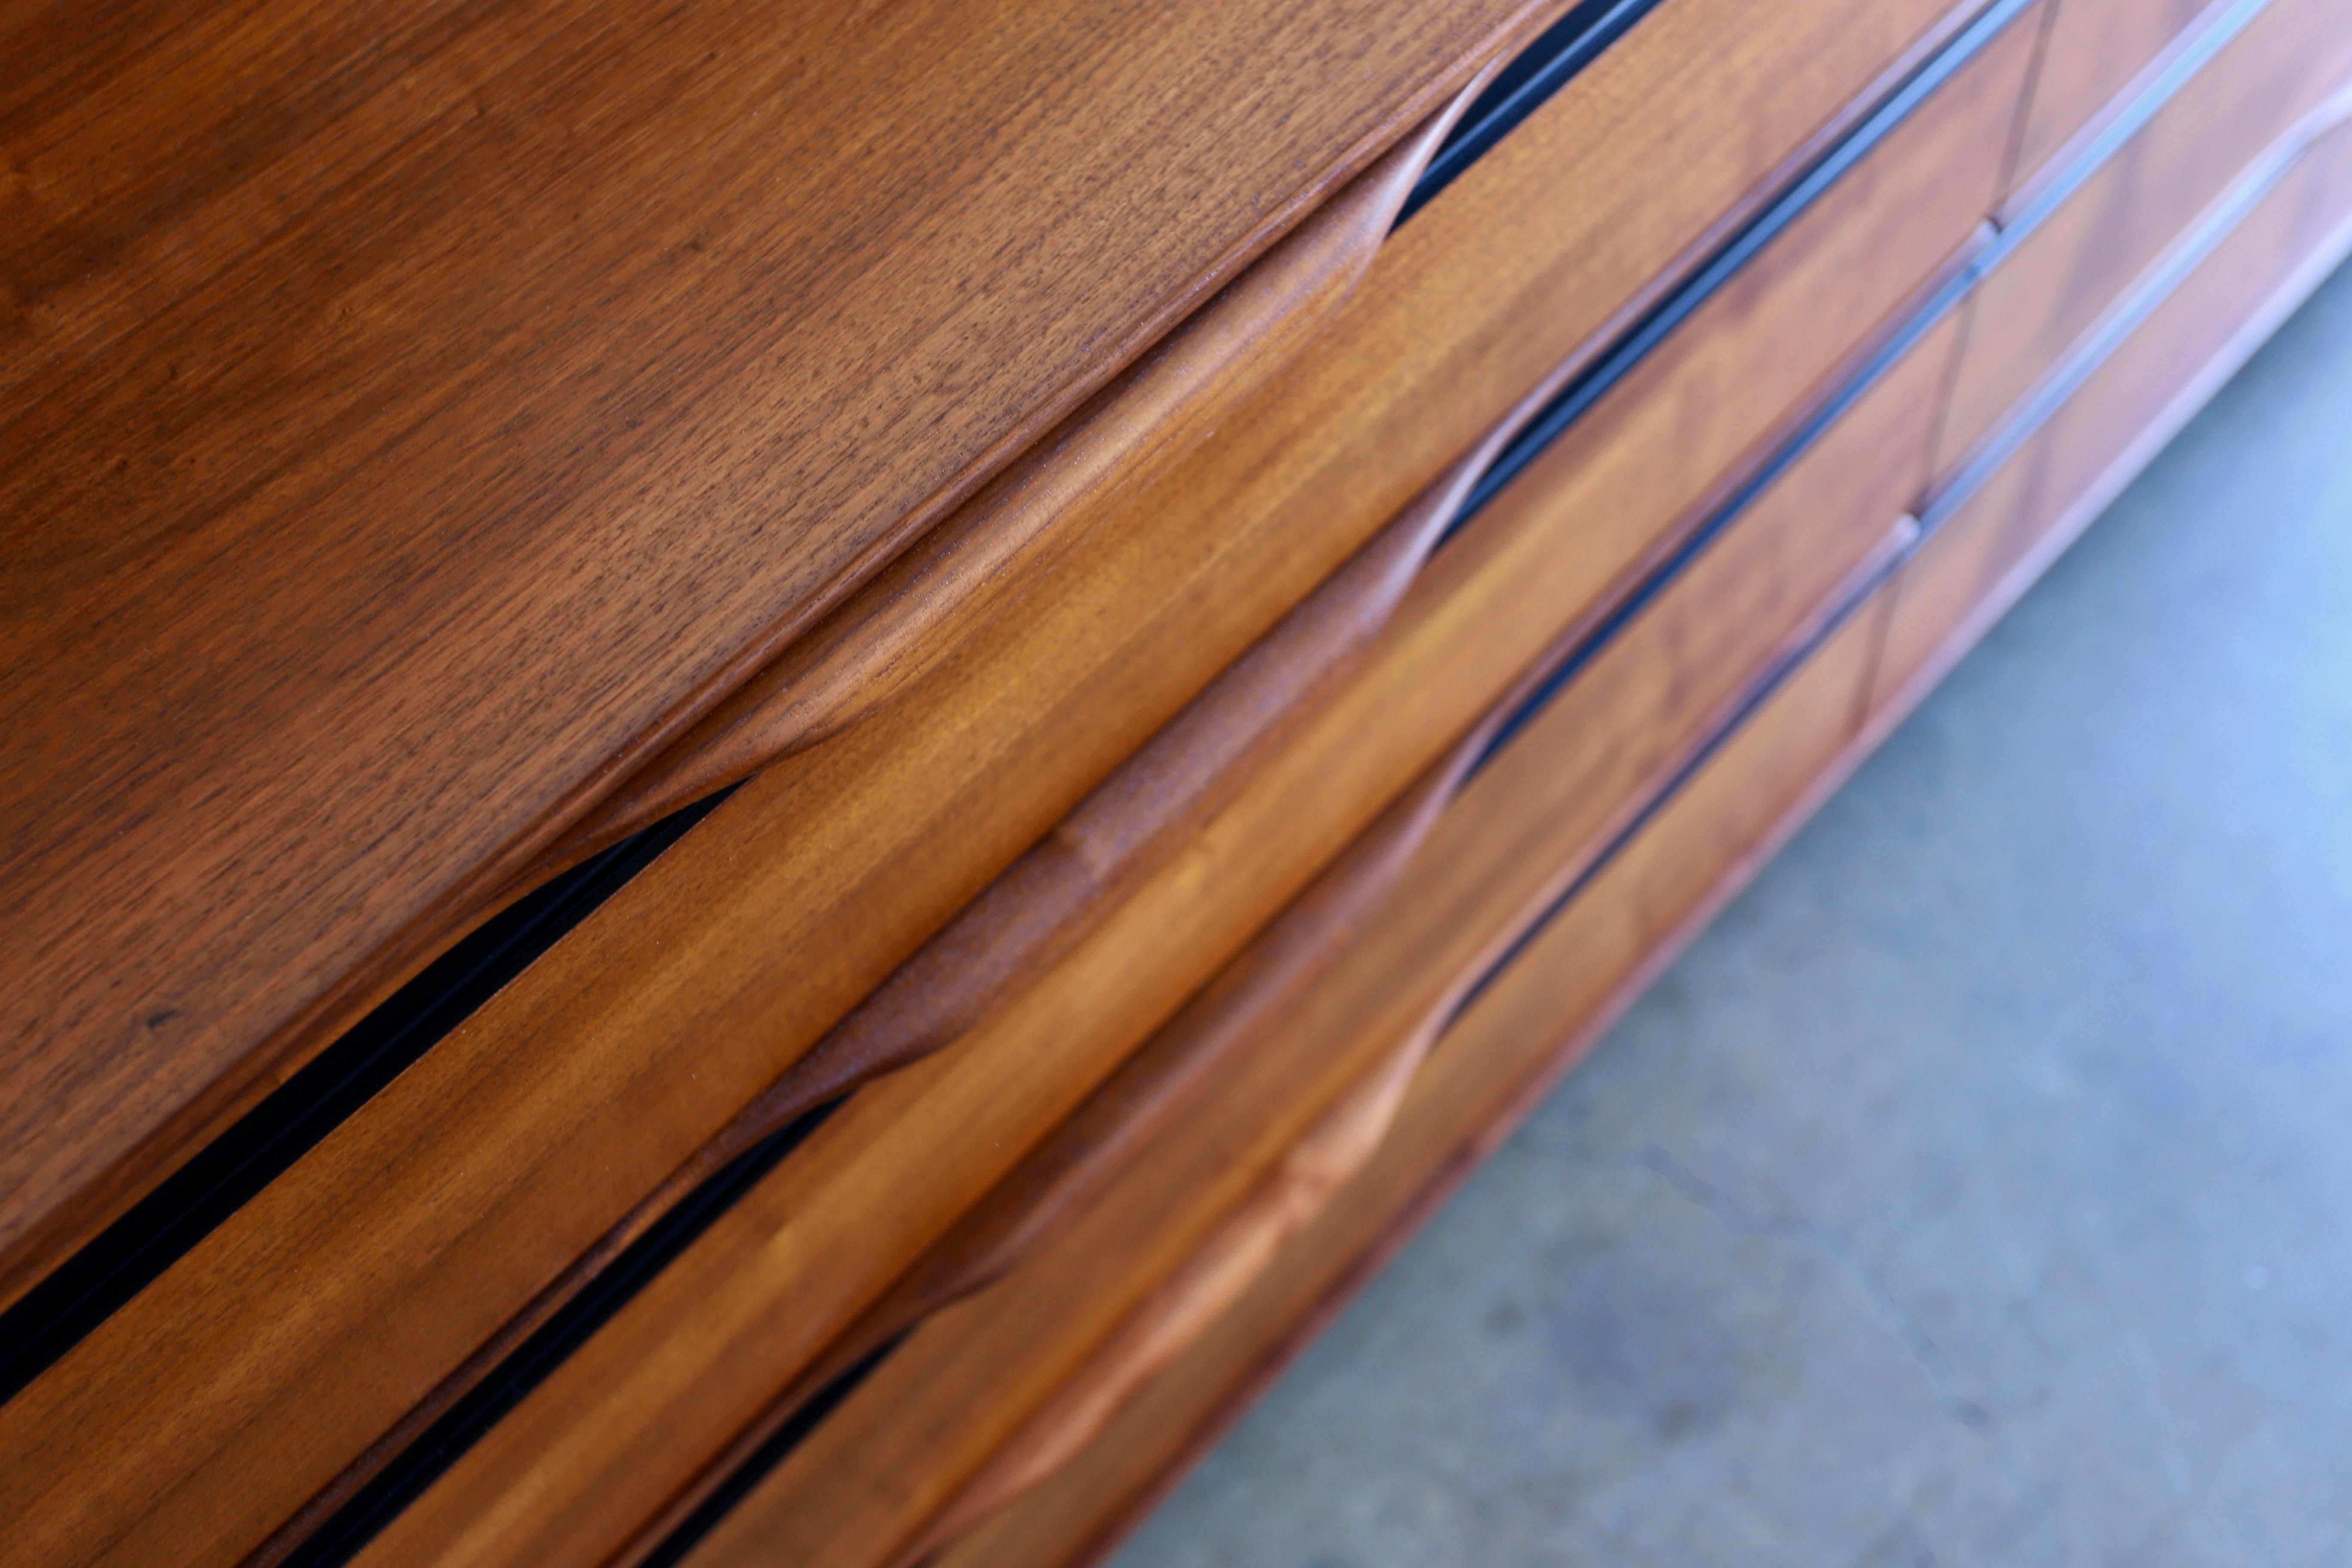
1760, 693
1553, 419
1522, 87
224, 1174
1816, 424
403, 1478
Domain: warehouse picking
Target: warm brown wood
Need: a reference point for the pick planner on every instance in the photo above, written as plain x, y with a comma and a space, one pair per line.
1523, 828
1562, 995
1168, 1077
1318, 1162
2053, 288
205, 1411
2006, 533
1495, 1063
1045, 901
2096, 51
591, 1440
898, 624
346, 568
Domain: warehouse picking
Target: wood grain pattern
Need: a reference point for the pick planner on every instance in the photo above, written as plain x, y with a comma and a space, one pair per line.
2003, 535
900, 623
2094, 52
1495, 1062
615, 1424
888, 1470
805, 889
1046, 900
348, 568
2053, 288
1064, 1174
210, 1407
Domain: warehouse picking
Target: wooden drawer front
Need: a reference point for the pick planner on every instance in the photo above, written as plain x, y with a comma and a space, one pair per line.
961, 1413
2079, 259
755, 1300
1494, 1064
1625, 925
2096, 50
2000, 536
448, 1204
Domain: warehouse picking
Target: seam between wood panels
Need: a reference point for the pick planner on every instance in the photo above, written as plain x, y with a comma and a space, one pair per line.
1468, 1153
2023, 117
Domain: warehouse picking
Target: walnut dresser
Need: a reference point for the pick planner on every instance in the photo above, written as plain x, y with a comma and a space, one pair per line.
774, 776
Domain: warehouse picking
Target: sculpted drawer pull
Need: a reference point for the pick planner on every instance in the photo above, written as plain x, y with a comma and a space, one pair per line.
1051, 1189
902, 622
1042, 904
1056, 1183
1247, 1005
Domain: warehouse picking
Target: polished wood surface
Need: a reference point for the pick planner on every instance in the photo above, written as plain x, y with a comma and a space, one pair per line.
414, 424
453, 1199
889, 1467
1113, 829
1067, 1171
1625, 929
1494, 1064
590, 1440
2053, 288
1627, 926
904, 622
2093, 52
2073, 459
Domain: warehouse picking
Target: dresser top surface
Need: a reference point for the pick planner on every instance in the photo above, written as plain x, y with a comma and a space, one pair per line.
410, 415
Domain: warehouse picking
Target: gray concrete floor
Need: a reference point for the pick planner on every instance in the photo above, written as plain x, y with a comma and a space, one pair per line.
1978, 1190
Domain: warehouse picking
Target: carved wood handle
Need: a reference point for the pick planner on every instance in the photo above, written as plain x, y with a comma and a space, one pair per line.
1059, 1180
1041, 905
1240, 1246
1282, 1201
906, 618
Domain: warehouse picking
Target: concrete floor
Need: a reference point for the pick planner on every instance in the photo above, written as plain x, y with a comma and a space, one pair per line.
1978, 1190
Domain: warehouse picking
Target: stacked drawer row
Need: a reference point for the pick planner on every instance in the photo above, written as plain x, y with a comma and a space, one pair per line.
931, 1146
2130, 347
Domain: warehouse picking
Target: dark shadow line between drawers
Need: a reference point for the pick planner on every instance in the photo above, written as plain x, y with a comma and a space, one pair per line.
154, 1233
1729, 259
756, 1467
336, 1541
404, 1477
2084, 360
1559, 53
1923, 320
1762, 692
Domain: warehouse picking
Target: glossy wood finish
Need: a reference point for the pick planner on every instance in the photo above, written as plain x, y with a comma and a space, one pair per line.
904, 622
451, 1202
354, 568
1044, 901
1495, 1063
2082, 258
1100, 1142
2094, 52
599, 1438
1562, 993
2072, 461
1492, 1064
893, 1467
